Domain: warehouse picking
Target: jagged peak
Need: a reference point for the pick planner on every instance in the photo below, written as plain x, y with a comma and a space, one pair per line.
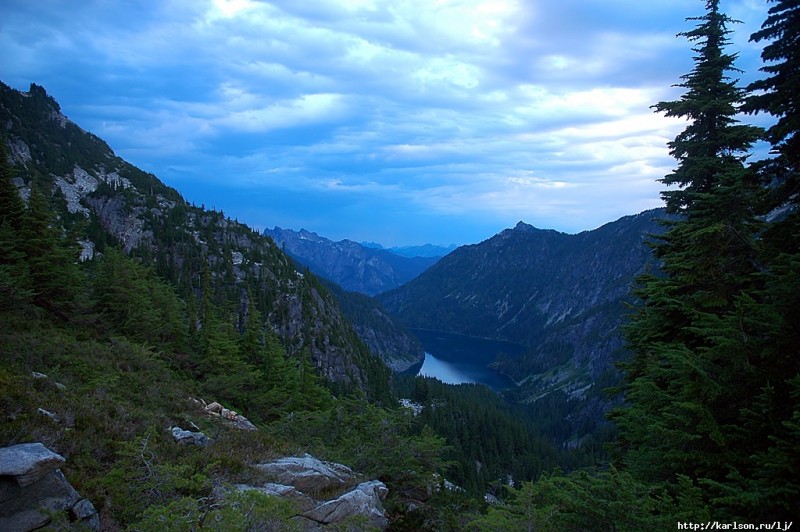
522, 226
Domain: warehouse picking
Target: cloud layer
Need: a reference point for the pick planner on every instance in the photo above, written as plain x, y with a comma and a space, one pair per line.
401, 122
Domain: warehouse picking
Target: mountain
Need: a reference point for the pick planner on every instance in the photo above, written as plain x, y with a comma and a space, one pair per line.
425, 250
104, 201
352, 266
380, 331
563, 296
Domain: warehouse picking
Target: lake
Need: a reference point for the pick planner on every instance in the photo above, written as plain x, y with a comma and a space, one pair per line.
458, 359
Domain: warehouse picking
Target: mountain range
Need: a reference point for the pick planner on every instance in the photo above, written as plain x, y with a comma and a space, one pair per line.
355, 267
424, 250
561, 296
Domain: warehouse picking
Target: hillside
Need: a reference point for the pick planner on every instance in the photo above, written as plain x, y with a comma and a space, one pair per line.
138, 331
104, 201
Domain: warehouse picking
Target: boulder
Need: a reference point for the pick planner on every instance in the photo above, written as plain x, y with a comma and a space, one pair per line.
28, 462
308, 474
33, 490
214, 408
363, 500
324, 492
188, 437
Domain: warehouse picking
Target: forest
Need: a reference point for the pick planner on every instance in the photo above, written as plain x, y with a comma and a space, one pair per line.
707, 426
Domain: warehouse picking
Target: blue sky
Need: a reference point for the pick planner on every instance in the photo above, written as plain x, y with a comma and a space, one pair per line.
398, 121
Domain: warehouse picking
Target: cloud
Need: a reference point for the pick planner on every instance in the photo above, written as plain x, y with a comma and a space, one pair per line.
447, 111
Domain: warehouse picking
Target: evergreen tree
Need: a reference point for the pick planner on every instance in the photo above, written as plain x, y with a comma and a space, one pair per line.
690, 375
14, 281
51, 258
777, 95
771, 424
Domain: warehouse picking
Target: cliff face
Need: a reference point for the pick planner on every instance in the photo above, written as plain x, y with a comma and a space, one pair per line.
105, 200
354, 267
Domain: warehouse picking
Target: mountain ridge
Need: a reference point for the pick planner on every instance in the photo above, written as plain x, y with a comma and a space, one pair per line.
564, 296
351, 265
106, 201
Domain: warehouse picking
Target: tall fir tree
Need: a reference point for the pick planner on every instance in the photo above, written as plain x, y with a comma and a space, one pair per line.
776, 94
688, 379
14, 275
771, 425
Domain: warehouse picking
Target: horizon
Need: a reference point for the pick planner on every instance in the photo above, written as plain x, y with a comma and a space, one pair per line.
400, 123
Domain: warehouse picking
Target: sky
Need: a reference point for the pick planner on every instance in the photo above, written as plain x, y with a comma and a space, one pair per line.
400, 122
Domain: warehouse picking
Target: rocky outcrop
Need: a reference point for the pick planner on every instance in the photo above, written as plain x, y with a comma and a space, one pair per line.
326, 494
308, 474
230, 417
363, 500
34, 492
187, 437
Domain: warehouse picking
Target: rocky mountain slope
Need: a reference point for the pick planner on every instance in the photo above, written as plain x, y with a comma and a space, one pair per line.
561, 295
352, 266
104, 200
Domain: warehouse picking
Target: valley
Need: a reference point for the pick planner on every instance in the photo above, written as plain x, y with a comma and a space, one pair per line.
164, 363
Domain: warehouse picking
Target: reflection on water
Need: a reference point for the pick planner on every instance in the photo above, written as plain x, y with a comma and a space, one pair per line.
444, 371
462, 373
463, 359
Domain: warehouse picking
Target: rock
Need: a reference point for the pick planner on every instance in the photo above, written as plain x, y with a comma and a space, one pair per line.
301, 479
49, 414
242, 423
41, 376
187, 437
308, 474
231, 417
214, 408
33, 490
28, 462
303, 501
363, 500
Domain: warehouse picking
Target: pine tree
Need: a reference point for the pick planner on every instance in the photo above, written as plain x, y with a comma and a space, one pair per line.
687, 381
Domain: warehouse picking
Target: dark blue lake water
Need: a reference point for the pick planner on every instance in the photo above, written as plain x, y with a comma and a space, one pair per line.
457, 359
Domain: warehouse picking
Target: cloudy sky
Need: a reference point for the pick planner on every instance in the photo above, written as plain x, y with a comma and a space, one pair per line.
395, 121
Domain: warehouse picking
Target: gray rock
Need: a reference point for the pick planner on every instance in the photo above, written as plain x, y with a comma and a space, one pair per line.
301, 478
49, 414
308, 474
33, 491
303, 501
188, 437
363, 500
28, 462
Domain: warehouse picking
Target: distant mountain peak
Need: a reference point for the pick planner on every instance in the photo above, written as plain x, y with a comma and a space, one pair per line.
355, 267
522, 226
